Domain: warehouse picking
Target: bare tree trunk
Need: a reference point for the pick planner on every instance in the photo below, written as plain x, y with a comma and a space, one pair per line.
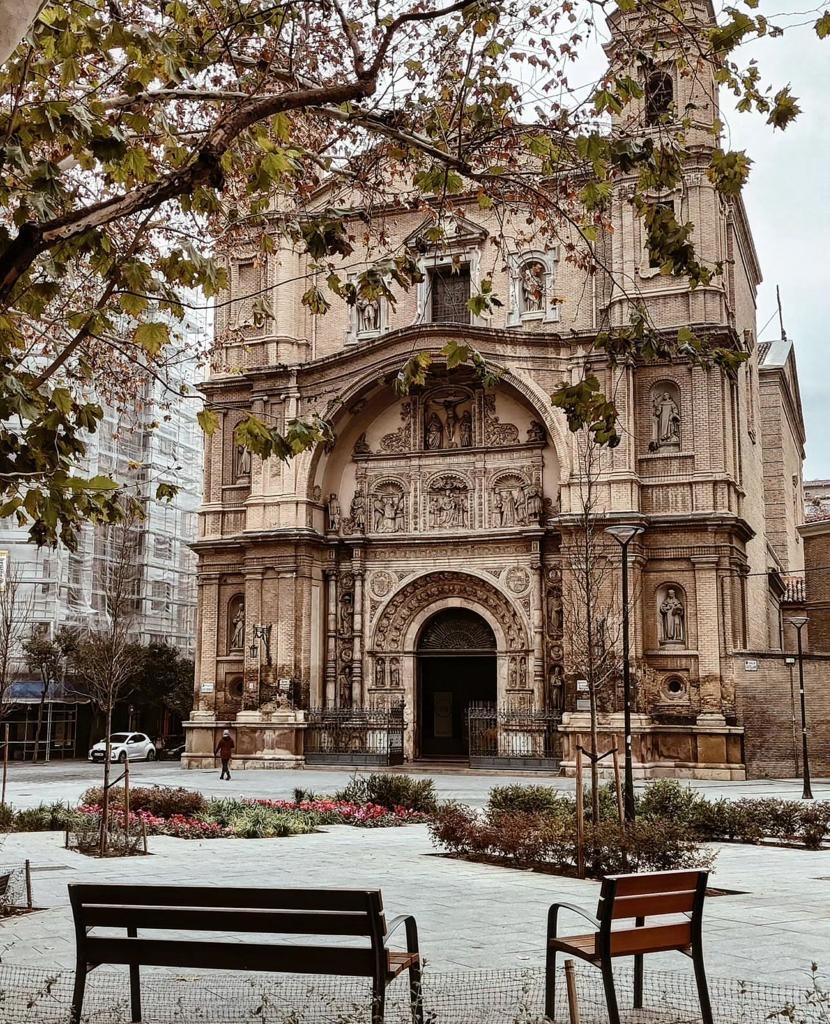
105, 799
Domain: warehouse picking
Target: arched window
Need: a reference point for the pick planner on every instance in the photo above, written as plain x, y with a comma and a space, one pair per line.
659, 96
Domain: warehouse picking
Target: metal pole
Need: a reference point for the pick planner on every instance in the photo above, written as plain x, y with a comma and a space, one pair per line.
807, 793
48, 732
5, 760
629, 770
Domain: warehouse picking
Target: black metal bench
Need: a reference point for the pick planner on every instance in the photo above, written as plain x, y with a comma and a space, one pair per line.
305, 912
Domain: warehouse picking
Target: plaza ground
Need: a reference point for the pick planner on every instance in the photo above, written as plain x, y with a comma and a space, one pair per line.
470, 916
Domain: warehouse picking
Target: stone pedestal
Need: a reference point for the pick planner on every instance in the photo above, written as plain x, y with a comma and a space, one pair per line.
706, 750
264, 739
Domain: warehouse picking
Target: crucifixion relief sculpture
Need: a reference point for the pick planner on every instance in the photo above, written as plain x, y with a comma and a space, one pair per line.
447, 423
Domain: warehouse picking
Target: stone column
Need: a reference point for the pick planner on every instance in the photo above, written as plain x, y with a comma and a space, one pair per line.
331, 636
708, 637
357, 633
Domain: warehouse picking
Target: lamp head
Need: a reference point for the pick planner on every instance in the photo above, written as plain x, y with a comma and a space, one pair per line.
624, 532
253, 651
797, 620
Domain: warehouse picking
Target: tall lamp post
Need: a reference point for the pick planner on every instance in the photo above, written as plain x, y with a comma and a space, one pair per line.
799, 622
624, 534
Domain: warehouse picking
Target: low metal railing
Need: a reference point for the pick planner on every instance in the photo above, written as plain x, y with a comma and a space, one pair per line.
355, 736
508, 738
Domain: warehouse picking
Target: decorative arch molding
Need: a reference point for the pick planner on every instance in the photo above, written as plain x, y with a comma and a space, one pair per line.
363, 387
433, 590
456, 629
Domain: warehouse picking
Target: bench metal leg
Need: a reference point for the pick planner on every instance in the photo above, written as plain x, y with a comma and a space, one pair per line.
416, 996
610, 992
78, 993
378, 1001
702, 987
638, 982
550, 983
135, 984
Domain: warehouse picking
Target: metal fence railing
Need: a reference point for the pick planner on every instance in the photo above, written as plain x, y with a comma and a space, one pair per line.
508, 738
354, 736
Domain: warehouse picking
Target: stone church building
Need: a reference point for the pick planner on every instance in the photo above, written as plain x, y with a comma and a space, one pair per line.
403, 593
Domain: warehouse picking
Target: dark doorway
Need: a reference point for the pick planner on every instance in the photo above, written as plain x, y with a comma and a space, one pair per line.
456, 667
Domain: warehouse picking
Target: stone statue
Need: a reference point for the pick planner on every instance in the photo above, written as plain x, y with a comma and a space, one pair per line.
667, 422
333, 511
465, 430
368, 315
533, 504
345, 686
672, 614
242, 466
533, 287
508, 505
536, 432
395, 674
361, 446
512, 678
434, 435
358, 512
380, 673
238, 627
377, 513
398, 520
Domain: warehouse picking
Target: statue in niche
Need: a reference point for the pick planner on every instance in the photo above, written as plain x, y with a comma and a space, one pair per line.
533, 504
465, 430
666, 418
238, 626
451, 418
536, 433
388, 512
513, 676
510, 508
434, 434
556, 616
672, 616
395, 674
556, 687
523, 672
335, 517
533, 287
242, 462
361, 446
380, 673
368, 315
346, 614
357, 512
447, 504
344, 685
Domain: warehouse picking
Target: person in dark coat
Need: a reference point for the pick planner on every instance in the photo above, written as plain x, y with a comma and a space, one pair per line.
225, 750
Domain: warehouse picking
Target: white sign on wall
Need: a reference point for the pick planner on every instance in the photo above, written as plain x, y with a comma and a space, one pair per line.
582, 685
583, 705
206, 687
750, 665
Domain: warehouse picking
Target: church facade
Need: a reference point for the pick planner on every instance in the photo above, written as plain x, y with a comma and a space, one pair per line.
420, 566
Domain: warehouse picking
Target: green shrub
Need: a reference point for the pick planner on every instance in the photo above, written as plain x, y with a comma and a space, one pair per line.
668, 799
531, 799
390, 791
162, 801
6, 818
52, 817
255, 822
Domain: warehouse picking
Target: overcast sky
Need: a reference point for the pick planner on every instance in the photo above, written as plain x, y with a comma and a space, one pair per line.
788, 200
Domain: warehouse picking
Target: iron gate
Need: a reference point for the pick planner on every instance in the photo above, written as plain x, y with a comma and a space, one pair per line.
355, 736
508, 738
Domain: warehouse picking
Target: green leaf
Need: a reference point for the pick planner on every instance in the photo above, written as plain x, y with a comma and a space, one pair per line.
208, 420
166, 492
823, 26
152, 337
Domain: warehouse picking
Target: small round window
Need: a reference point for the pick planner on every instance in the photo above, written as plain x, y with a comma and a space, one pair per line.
235, 687
675, 687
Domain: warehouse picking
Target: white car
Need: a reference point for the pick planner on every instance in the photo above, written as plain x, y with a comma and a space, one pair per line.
125, 746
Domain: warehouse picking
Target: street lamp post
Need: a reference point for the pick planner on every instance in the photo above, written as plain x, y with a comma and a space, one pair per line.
799, 622
624, 534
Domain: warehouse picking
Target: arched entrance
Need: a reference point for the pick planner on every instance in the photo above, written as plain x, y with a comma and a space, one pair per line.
456, 666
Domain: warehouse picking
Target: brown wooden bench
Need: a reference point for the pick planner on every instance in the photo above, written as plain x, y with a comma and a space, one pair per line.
306, 912
624, 897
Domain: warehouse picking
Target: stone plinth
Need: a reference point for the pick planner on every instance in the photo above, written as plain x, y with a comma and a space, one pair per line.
707, 750
263, 739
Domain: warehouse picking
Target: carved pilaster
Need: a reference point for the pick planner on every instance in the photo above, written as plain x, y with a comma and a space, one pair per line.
357, 627
331, 636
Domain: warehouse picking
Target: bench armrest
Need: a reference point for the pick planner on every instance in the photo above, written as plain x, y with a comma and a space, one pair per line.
553, 914
408, 921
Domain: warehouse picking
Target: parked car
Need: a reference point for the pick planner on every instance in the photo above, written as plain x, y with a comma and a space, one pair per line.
124, 746
172, 753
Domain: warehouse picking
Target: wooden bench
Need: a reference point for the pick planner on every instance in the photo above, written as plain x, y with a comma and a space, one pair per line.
624, 897
306, 912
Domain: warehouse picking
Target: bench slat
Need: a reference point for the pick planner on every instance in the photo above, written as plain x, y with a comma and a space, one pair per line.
656, 939
223, 919
233, 956
655, 882
653, 904
355, 900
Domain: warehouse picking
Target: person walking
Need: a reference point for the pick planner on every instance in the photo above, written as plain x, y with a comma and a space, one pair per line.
225, 750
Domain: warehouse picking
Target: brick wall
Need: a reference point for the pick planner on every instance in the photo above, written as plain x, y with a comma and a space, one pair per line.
817, 575
768, 700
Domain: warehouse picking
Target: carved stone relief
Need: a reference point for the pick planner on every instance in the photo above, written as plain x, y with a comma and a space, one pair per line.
448, 503
665, 418
536, 433
671, 609
400, 440
517, 580
448, 420
357, 514
242, 463
497, 434
387, 507
361, 446
334, 518
420, 593
236, 624
381, 583
509, 501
